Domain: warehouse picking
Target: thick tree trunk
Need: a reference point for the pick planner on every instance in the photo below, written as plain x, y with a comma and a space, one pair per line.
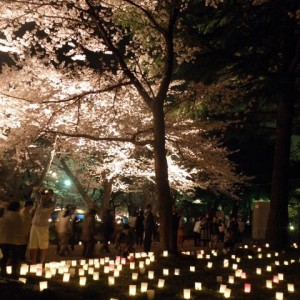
162, 183
277, 228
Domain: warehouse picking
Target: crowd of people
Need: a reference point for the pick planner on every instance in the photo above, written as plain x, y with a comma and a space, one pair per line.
215, 232
26, 230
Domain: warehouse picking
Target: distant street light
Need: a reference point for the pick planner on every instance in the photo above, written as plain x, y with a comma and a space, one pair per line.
67, 182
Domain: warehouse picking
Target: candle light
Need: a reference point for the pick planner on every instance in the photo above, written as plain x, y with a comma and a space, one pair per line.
279, 296
150, 274
161, 283
290, 288
111, 280
96, 276
227, 293
209, 265
269, 284
192, 269
43, 285
222, 288
132, 265
186, 294
144, 287
150, 294
81, 272
132, 290
66, 277
24, 269
231, 279
177, 272
82, 281
116, 273
247, 287
198, 286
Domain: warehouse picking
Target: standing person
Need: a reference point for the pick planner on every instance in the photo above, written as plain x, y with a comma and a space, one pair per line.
175, 228
12, 236
196, 231
205, 231
149, 224
214, 233
108, 228
64, 231
26, 214
88, 233
139, 228
39, 232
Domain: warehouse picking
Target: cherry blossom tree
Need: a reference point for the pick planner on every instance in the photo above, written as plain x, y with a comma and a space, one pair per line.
108, 68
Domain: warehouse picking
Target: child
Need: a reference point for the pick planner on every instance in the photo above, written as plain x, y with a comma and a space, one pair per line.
125, 241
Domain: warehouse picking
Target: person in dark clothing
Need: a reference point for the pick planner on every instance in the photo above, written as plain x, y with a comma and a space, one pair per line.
149, 225
107, 229
88, 234
125, 241
139, 228
175, 226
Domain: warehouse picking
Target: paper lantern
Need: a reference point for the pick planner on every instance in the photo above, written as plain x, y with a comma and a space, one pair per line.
161, 283
132, 265
82, 281
111, 280
290, 288
280, 276
279, 296
144, 287
231, 279
134, 276
186, 294
132, 290
269, 284
150, 274
258, 271
209, 265
222, 288
177, 272
247, 288
192, 268
198, 286
219, 279
96, 276
165, 253
66, 277
150, 294
166, 272
227, 293
43, 285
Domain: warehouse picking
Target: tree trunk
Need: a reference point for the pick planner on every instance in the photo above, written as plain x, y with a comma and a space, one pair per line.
162, 183
277, 229
78, 185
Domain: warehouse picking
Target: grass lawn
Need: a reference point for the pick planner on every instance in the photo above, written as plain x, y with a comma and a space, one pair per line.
212, 269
